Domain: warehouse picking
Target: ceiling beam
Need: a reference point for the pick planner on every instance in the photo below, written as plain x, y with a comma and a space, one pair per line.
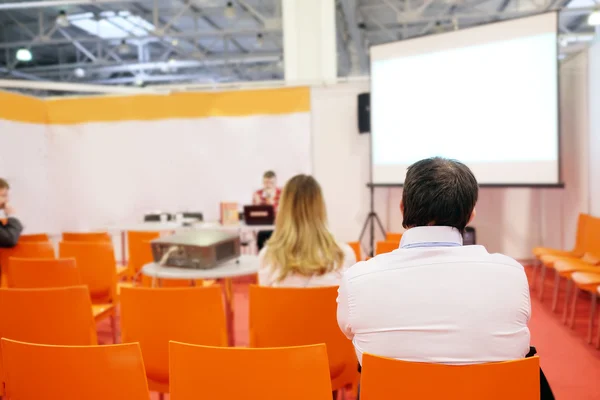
350, 10
55, 3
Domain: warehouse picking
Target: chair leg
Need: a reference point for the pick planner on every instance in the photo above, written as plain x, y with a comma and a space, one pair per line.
161, 396
598, 338
592, 318
573, 307
542, 280
534, 274
113, 327
566, 307
556, 290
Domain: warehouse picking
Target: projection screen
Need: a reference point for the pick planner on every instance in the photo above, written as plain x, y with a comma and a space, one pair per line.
487, 96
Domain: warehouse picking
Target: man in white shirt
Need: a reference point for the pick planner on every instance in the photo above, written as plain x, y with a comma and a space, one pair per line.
433, 300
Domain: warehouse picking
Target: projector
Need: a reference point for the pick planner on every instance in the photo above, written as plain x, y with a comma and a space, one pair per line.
196, 250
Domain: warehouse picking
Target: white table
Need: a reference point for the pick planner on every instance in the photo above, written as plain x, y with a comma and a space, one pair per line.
178, 226
243, 266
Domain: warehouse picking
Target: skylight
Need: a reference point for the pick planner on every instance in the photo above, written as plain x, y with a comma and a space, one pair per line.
112, 25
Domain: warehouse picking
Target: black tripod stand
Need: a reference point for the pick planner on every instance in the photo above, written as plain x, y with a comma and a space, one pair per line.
372, 218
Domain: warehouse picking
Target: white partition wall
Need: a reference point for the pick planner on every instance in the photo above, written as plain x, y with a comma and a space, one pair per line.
594, 115
25, 162
161, 153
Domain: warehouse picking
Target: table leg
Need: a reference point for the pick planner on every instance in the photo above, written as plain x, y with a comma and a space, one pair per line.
228, 295
123, 248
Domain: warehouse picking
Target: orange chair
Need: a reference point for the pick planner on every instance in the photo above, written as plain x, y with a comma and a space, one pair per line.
49, 316
293, 373
282, 317
35, 371
587, 232
393, 237
25, 250
34, 237
153, 317
86, 237
97, 268
29, 273
587, 282
564, 268
516, 380
385, 247
140, 252
357, 250
580, 242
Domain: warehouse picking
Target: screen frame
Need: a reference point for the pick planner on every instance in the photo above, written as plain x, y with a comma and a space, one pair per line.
560, 184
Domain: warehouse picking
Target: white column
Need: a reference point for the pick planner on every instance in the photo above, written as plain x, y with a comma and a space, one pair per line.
309, 41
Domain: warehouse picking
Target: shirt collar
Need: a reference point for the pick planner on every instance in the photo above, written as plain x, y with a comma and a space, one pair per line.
431, 235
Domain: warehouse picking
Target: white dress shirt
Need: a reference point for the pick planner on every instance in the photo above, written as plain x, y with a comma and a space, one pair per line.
268, 277
434, 300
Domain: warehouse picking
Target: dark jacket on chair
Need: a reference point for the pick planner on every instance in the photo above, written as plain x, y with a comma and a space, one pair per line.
10, 231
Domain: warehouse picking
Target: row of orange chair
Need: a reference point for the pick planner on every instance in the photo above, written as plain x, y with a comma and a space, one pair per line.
580, 267
294, 373
391, 243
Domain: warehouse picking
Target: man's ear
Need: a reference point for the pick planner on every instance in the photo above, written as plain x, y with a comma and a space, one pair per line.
472, 217
402, 206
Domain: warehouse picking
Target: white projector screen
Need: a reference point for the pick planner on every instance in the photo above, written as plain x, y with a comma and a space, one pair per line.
487, 96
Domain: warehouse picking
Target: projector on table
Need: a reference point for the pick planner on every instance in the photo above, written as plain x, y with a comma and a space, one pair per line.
196, 250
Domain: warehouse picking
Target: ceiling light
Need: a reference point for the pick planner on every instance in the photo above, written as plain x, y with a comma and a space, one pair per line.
260, 40
139, 81
79, 72
24, 55
62, 20
594, 18
230, 10
123, 48
175, 42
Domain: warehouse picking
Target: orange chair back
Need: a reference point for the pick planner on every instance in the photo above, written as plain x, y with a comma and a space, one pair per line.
140, 252
393, 237
97, 267
294, 373
86, 237
518, 380
283, 317
590, 235
385, 247
25, 250
36, 371
357, 250
153, 317
35, 237
50, 316
28, 273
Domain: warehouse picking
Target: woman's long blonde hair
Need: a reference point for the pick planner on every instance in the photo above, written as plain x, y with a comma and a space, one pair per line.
301, 243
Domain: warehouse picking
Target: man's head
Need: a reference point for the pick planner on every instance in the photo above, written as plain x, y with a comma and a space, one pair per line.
3, 192
438, 191
269, 180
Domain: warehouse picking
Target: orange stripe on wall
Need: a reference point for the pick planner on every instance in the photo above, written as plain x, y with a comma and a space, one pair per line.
178, 105
20, 108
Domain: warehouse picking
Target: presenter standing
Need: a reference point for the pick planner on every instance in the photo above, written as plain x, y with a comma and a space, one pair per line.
268, 195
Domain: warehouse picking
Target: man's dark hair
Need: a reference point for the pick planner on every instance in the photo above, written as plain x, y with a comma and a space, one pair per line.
269, 174
4, 184
438, 191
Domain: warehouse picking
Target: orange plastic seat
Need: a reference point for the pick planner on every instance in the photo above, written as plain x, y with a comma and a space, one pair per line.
153, 317
86, 237
25, 250
35, 371
140, 252
393, 237
34, 237
283, 317
49, 316
294, 373
385, 247
515, 380
97, 268
29, 273
357, 250
581, 239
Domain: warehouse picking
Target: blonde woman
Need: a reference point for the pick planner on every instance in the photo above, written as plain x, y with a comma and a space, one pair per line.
302, 252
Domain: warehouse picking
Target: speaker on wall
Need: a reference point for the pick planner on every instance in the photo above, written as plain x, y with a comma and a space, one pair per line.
364, 112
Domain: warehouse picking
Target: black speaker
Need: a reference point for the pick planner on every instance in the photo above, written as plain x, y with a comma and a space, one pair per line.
469, 237
364, 113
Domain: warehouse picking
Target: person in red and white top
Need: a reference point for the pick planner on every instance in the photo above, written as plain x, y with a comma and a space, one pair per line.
268, 195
